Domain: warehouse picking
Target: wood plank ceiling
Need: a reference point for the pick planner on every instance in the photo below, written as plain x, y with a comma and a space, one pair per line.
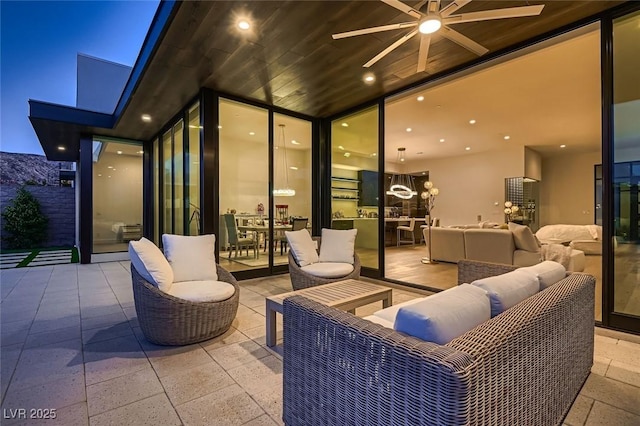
289, 59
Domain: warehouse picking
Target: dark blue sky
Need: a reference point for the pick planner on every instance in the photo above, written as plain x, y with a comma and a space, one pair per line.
39, 43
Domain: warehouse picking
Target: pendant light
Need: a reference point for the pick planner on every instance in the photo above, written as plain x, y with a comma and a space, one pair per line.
282, 188
402, 185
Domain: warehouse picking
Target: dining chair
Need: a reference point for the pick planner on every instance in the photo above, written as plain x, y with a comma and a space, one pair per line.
404, 229
236, 240
297, 224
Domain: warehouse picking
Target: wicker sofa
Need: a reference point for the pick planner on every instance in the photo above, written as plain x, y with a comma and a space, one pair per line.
524, 366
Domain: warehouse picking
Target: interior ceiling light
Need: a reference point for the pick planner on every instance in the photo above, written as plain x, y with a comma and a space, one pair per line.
442, 140
374, 154
293, 168
244, 24
283, 189
109, 167
252, 133
61, 148
472, 121
345, 124
430, 25
119, 152
146, 118
468, 148
402, 185
507, 137
141, 152
347, 154
295, 142
563, 146
219, 126
409, 129
340, 147
369, 78
420, 98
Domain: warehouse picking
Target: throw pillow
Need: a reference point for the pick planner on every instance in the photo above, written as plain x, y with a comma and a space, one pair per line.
151, 264
444, 316
523, 237
192, 258
338, 245
548, 273
509, 289
302, 247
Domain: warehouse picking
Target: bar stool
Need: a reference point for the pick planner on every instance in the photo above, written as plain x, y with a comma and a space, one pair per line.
406, 228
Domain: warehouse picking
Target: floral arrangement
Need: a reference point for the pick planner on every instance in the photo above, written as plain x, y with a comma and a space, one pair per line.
510, 210
429, 196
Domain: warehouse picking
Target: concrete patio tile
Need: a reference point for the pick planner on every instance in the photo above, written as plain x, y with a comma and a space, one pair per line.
271, 399
247, 320
228, 406
606, 415
612, 392
57, 354
113, 358
14, 332
609, 348
614, 334
104, 320
264, 420
100, 311
39, 374
250, 298
42, 325
232, 335
237, 354
55, 336
626, 373
105, 333
579, 411
195, 382
18, 312
178, 362
8, 361
57, 394
600, 365
153, 411
124, 390
258, 376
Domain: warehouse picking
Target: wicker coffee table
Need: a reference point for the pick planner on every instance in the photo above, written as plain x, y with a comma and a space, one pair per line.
346, 295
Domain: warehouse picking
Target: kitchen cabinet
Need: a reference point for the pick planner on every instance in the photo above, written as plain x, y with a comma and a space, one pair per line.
368, 187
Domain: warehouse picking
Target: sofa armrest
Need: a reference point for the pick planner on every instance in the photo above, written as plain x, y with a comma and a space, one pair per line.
340, 369
471, 270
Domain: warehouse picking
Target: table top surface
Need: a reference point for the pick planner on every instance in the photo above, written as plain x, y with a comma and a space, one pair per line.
335, 293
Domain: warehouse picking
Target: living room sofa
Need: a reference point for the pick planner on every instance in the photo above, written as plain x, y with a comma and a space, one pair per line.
488, 245
523, 366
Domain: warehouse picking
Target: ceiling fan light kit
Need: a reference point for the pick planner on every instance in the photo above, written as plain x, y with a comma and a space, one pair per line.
437, 19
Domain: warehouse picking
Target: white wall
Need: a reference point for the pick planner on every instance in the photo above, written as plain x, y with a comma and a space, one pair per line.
470, 185
99, 83
567, 189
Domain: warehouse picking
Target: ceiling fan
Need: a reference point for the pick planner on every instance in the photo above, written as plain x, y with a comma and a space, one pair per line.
437, 19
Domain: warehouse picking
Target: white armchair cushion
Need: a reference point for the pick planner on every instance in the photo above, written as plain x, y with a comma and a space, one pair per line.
202, 291
328, 269
446, 315
509, 289
523, 237
338, 245
389, 314
192, 258
302, 247
548, 273
151, 264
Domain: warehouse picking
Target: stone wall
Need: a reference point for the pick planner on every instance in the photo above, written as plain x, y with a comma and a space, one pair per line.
58, 203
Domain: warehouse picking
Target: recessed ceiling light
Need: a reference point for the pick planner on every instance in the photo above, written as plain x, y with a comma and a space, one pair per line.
345, 124
295, 142
244, 24
507, 137
146, 118
424, 173
99, 174
252, 133
341, 147
409, 129
468, 148
293, 168
563, 146
369, 78
114, 169
119, 152
402, 159
374, 154
472, 121
194, 126
109, 167
420, 98
442, 140
109, 176
140, 152
347, 154
219, 126
430, 25
61, 148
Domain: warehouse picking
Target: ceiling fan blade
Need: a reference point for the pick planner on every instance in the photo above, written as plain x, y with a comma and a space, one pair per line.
423, 53
403, 8
463, 41
485, 15
375, 30
453, 7
388, 50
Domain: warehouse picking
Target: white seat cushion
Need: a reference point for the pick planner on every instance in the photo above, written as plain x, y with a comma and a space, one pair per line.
202, 291
548, 273
377, 320
523, 237
150, 263
328, 269
302, 247
444, 316
389, 314
509, 289
192, 258
338, 245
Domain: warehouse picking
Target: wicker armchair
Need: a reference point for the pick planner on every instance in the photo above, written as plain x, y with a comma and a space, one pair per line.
301, 279
168, 320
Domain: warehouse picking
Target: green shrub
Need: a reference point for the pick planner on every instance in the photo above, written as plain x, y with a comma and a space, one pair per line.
25, 226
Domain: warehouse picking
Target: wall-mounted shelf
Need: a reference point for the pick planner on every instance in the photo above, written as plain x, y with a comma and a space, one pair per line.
345, 198
340, 179
345, 189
